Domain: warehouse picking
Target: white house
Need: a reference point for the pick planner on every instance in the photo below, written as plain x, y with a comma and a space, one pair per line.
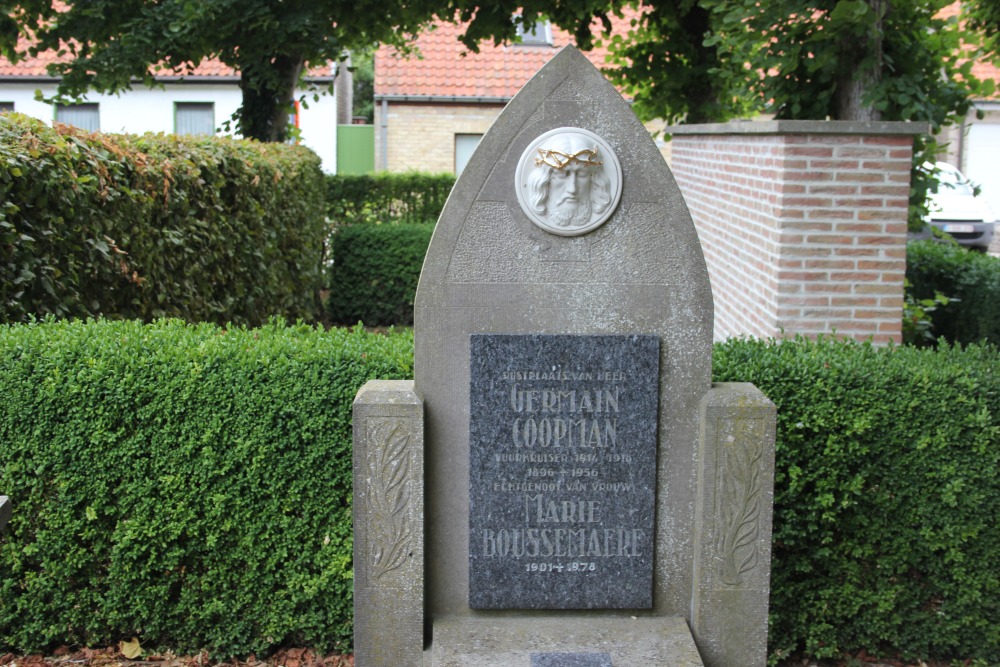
198, 103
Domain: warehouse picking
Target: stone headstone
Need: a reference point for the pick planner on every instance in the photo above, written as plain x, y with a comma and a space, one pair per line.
563, 471
565, 281
492, 269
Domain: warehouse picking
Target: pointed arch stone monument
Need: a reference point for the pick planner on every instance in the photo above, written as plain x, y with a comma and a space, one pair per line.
562, 484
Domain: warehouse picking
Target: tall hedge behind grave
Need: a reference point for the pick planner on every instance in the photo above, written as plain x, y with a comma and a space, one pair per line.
374, 273
409, 197
972, 278
382, 224
150, 226
887, 492
187, 485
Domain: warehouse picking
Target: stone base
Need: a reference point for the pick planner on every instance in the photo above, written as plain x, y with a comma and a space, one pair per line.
509, 642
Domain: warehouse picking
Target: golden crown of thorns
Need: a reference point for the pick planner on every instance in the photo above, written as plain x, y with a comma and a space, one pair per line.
558, 159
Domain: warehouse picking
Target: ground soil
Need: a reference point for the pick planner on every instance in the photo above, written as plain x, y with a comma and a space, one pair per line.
300, 657
112, 657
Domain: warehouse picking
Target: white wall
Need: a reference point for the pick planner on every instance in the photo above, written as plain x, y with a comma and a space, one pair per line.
144, 110
983, 160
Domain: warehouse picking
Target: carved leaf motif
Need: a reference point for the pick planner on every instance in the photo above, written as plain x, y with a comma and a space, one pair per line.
740, 510
388, 497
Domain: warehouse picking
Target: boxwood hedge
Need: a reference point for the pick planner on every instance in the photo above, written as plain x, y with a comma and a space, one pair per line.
205, 229
187, 485
408, 197
374, 274
971, 279
887, 491
190, 485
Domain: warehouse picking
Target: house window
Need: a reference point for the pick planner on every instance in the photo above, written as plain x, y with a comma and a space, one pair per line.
84, 116
465, 146
539, 35
6, 106
194, 118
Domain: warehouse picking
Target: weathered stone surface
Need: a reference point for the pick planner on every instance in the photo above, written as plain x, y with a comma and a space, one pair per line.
492, 273
388, 525
489, 269
563, 471
570, 660
733, 526
5, 511
510, 642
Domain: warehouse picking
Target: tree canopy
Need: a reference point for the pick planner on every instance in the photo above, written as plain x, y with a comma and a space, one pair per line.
711, 60
680, 60
112, 44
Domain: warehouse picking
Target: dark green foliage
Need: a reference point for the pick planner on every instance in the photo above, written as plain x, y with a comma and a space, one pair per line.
179, 483
886, 496
150, 226
971, 279
411, 197
187, 485
364, 85
375, 271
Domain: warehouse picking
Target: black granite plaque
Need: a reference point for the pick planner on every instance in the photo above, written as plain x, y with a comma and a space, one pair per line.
562, 480
571, 660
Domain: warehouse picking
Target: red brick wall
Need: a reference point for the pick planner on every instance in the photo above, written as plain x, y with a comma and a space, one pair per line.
802, 233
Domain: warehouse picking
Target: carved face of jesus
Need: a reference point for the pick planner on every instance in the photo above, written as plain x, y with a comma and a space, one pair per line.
569, 201
568, 185
568, 181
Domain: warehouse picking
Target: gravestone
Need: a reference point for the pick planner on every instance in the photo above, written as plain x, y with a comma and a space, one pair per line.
586, 495
562, 471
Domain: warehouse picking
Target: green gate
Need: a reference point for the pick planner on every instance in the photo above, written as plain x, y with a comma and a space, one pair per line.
355, 149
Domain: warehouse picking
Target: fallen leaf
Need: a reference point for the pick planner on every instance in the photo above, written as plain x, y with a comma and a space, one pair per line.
130, 649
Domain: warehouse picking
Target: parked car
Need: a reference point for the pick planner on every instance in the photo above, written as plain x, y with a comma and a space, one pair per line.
955, 208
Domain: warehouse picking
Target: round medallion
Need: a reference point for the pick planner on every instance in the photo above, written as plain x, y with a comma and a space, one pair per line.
568, 181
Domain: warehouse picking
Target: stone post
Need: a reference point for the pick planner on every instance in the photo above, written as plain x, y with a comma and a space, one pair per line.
388, 525
803, 223
735, 497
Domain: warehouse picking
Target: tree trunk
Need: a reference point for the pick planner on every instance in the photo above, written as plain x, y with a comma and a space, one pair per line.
861, 71
268, 91
703, 99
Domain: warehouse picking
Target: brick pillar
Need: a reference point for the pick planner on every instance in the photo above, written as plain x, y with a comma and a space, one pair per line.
803, 223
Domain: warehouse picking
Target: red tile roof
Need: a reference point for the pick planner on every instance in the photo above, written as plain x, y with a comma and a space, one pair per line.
443, 67
981, 70
35, 67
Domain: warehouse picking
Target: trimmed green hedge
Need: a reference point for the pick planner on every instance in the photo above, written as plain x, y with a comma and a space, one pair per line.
374, 274
187, 485
970, 277
887, 494
205, 229
191, 486
410, 197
